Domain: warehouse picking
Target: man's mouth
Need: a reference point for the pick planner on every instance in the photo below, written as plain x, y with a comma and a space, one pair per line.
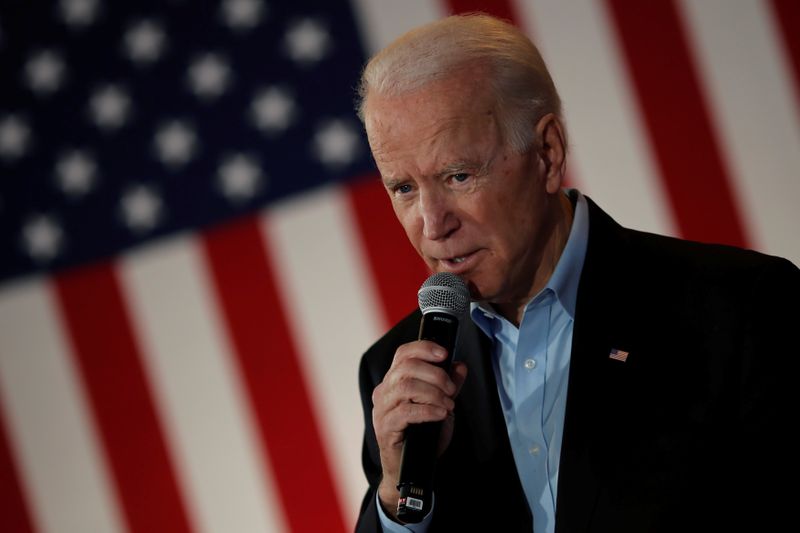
459, 263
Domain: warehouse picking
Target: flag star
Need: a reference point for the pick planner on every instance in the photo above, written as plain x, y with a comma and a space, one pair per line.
79, 13
307, 41
76, 173
272, 110
44, 72
110, 107
15, 137
141, 208
42, 238
240, 177
336, 143
176, 143
242, 15
209, 76
144, 42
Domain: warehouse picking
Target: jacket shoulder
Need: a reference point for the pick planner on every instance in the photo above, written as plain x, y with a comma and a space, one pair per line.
713, 264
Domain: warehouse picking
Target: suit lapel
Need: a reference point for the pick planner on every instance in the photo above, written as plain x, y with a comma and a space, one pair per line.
596, 331
480, 393
485, 425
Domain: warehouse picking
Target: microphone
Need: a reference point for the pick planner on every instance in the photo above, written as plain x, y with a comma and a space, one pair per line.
443, 300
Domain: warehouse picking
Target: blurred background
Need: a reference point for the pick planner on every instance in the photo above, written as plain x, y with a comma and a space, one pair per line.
196, 248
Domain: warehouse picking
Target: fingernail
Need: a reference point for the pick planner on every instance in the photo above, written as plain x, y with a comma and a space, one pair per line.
439, 352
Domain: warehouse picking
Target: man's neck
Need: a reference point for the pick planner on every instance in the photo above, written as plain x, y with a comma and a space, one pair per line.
554, 247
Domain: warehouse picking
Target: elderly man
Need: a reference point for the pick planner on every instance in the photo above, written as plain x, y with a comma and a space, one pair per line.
608, 380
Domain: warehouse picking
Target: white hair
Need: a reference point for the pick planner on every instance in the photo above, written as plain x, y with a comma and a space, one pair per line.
519, 79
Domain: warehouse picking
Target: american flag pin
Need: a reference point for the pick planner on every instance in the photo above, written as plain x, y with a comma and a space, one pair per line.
619, 355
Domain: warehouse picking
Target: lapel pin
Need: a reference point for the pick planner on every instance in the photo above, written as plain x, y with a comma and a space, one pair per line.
619, 355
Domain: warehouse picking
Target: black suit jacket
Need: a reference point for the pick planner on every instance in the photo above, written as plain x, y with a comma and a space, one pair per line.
690, 433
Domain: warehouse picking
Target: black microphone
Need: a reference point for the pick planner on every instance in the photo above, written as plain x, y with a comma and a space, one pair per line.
443, 300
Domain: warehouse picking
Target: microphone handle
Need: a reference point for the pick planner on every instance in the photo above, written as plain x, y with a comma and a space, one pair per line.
418, 460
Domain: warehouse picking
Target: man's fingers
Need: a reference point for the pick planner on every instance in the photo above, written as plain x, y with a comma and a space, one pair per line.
387, 396
424, 350
398, 419
415, 369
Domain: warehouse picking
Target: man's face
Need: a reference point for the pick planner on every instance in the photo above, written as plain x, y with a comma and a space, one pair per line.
468, 203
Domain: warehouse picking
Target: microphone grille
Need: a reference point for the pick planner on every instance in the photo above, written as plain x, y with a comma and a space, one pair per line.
444, 292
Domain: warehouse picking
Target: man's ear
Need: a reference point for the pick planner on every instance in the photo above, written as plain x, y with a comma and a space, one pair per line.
552, 150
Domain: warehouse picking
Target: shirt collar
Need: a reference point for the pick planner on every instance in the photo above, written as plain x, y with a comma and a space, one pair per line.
565, 278
567, 274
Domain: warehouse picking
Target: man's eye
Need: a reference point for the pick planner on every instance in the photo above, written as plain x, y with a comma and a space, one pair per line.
403, 189
461, 177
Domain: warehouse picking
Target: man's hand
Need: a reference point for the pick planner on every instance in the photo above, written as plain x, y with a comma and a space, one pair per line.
414, 390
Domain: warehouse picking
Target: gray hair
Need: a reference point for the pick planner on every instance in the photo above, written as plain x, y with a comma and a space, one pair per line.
519, 79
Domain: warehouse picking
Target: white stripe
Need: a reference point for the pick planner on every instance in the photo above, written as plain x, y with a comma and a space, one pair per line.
50, 433
335, 317
754, 110
382, 21
189, 363
610, 151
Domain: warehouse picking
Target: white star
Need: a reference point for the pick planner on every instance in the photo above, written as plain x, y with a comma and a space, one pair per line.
336, 143
307, 41
79, 13
240, 177
272, 110
141, 208
15, 137
110, 107
42, 238
45, 72
242, 15
144, 42
209, 76
76, 172
176, 143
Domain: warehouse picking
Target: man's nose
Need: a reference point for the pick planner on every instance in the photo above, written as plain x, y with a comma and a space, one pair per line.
438, 216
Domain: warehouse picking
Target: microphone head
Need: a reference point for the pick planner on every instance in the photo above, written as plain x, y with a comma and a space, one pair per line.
444, 292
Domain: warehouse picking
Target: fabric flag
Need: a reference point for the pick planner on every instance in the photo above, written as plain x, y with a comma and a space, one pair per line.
618, 355
196, 248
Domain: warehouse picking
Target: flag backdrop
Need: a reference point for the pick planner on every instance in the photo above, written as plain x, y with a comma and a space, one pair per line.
196, 249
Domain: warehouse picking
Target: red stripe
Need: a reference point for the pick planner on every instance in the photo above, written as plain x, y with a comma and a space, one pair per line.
109, 360
664, 75
396, 268
271, 372
787, 14
503, 9
15, 516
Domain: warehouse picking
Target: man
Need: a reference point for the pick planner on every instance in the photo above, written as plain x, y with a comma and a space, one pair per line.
609, 380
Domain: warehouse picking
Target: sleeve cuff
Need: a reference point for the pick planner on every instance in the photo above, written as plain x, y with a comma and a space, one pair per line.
390, 526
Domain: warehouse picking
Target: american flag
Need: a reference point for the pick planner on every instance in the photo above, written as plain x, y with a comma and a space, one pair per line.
618, 355
197, 250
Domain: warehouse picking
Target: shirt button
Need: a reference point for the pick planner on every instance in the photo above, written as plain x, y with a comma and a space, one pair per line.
530, 364
534, 450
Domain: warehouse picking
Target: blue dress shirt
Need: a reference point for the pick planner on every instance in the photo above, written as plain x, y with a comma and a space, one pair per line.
531, 365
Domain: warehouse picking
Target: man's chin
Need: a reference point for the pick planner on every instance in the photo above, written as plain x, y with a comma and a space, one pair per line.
476, 292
